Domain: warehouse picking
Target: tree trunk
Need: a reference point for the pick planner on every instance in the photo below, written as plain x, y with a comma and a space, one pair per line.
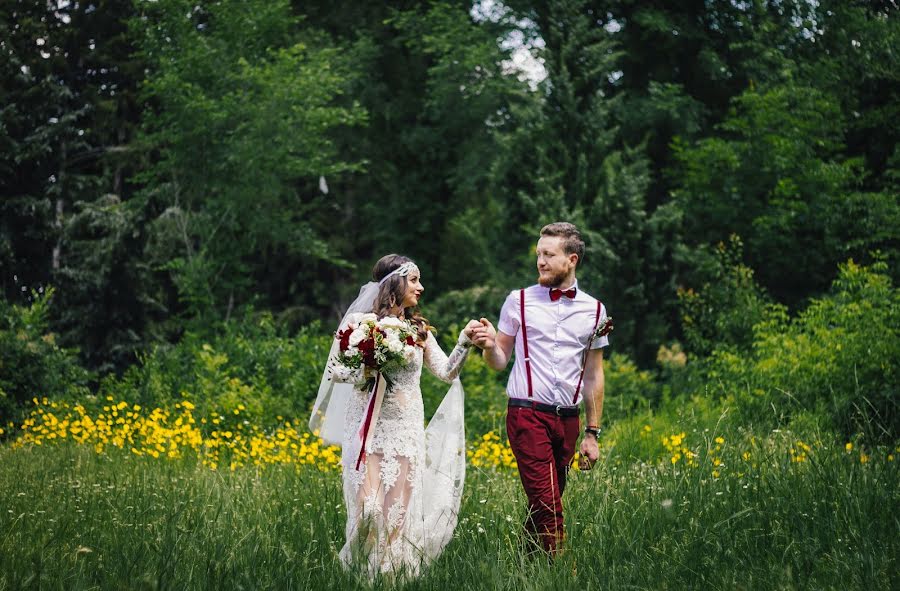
60, 202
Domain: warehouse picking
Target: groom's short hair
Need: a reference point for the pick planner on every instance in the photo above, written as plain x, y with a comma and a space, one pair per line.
572, 241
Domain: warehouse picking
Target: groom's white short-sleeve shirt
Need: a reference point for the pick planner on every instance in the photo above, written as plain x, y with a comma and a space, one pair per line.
558, 333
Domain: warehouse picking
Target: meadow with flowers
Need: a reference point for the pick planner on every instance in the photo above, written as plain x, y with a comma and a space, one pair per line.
196, 471
192, 193
141, 498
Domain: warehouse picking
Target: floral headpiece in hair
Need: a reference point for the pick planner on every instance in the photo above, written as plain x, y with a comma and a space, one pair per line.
403, 270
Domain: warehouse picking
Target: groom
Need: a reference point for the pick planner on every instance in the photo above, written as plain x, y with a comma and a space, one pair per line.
557, 332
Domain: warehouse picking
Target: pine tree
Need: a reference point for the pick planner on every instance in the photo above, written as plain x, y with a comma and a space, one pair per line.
567, 162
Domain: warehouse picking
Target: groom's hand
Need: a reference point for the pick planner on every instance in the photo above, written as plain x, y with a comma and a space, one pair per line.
470, 329
590, 452
484, 335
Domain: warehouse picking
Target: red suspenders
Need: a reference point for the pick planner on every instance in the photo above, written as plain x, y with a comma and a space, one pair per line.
525, 340
584, 359
525, 347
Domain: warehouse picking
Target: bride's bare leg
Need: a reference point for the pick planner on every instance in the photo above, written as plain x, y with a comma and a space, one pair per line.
382, 510
370, 500
396, 500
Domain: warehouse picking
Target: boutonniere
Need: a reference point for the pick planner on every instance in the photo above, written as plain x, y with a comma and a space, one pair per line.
604, 327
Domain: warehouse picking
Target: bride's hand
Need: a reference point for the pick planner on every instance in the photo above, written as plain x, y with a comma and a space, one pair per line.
485, 334
470, 328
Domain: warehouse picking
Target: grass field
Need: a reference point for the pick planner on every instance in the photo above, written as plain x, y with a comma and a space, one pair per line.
764, 514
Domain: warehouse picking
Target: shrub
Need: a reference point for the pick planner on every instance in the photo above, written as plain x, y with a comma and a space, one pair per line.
837, 358
456, 308
724, 309
840, 354
31, 363
629, 390
247, 369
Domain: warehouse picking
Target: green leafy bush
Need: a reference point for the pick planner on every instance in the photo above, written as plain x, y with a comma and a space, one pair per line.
722, 312
450, 311
629, 390
248, 370
838, 358
841, 353
31, 363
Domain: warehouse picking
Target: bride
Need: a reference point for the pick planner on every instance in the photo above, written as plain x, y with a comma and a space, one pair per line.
402, 482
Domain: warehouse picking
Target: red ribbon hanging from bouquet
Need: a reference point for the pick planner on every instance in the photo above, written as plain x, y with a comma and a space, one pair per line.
372, 411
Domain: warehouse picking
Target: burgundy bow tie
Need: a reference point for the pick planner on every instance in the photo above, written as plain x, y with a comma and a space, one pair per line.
555, 294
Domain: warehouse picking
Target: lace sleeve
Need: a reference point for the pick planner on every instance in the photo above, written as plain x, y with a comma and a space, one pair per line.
343, 374
338, 372
443, 367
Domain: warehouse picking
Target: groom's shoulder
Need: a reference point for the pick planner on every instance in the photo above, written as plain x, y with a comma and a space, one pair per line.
514, 297
529, 291
587, 297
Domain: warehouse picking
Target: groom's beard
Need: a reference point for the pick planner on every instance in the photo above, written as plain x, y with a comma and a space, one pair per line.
552, 280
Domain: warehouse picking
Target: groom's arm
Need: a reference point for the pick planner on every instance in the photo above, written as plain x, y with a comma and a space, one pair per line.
496, 347
594, 386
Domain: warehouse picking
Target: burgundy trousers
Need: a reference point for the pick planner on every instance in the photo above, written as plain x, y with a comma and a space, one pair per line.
544, 445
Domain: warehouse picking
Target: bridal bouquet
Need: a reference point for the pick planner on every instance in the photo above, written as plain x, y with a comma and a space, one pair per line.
376, 346
380, 345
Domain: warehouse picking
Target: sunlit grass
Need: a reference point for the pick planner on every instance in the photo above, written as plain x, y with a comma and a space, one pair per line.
726, 510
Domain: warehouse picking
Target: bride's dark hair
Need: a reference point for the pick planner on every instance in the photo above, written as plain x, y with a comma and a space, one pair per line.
391, 292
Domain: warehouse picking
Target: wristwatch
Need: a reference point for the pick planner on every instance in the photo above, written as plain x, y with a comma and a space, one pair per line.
595, 431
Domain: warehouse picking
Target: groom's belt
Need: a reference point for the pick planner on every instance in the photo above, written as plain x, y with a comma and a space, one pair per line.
555, 409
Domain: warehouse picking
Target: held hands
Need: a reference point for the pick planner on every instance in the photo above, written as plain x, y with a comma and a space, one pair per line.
467, 336
483, 333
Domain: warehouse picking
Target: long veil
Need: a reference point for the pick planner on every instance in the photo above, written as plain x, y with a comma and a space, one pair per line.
444, 473
330, 408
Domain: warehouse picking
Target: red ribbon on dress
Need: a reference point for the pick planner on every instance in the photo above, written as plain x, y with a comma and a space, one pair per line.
372, 412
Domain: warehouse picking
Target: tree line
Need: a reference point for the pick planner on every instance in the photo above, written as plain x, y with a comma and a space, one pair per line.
166, 165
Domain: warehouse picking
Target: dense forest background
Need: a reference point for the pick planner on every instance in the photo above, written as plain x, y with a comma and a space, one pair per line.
171, 171
191, 192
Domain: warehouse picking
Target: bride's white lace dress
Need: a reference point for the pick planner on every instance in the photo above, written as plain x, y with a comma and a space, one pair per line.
403, 498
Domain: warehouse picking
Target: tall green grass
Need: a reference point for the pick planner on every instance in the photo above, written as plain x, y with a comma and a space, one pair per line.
71, 519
